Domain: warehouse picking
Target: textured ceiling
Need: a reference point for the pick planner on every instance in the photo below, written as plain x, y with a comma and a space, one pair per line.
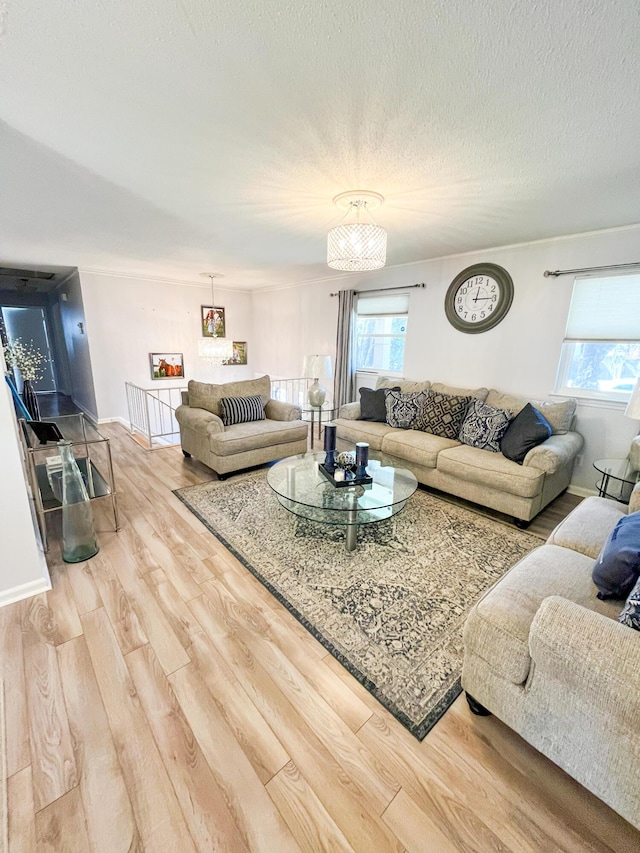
168, 137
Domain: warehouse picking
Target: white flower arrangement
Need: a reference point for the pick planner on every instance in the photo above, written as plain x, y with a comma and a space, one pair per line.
26, 358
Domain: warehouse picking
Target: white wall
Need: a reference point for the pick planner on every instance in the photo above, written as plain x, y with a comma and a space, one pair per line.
128, 318
23, 571
77, 343
520, 355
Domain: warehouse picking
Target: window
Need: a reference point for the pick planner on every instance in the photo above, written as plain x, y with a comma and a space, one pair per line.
601, 349
381, 330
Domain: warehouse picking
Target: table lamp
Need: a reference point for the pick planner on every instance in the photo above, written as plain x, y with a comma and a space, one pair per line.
633, 411
317, 367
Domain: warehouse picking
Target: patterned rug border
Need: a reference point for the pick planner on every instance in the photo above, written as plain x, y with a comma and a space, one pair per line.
419, 730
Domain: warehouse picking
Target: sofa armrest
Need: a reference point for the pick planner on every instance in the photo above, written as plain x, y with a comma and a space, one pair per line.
634, 500
594, 658
350, 411
554, 453
275, 410
185, 398
199, 420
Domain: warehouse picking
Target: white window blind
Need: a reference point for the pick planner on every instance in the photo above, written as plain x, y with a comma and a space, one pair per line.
605, 309
380, 306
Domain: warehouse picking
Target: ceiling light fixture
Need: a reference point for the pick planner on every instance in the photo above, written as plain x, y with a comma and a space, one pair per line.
357, 246
217, 351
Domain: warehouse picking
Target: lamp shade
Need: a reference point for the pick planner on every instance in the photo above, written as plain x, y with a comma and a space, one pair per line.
317, 367
633, 406
357, 247
216, 351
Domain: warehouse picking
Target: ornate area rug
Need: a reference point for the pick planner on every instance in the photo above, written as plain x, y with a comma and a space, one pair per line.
392, 611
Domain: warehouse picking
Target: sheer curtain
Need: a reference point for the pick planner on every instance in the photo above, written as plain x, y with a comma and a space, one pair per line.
345, 371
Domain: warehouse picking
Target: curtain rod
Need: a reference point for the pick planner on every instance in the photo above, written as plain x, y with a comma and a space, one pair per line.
380, 289
547, 273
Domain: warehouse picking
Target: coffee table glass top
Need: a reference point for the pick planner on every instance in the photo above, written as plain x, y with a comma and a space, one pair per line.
302, 489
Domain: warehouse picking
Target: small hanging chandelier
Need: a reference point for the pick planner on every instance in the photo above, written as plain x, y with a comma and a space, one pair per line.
357, 246
217, 351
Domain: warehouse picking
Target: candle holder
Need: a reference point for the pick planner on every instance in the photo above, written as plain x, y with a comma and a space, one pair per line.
362, 459
330, 446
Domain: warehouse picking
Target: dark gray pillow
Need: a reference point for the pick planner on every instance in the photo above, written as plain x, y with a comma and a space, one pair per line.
528, 429
372, 407
403, 407
442, 414
617, 568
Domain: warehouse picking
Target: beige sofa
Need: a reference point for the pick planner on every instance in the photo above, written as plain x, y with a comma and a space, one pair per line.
550, 659
243, 445
481, 476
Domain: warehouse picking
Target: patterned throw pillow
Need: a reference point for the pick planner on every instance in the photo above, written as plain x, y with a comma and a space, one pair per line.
403, 407
442, 414
240, 410
631, 611
484, 426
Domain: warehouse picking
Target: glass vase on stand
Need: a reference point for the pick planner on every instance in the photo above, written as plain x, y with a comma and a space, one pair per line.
78, 534
30, 399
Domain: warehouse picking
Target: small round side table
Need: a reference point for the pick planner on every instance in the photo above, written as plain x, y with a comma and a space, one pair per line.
619, 477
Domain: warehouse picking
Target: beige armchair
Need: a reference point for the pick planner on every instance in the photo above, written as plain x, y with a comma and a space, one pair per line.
232, 448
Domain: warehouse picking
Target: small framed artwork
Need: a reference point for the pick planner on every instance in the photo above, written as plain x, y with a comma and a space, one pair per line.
239, 353
212, 320
166, 365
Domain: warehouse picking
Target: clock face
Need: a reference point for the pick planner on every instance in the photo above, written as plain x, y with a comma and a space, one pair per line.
478, 298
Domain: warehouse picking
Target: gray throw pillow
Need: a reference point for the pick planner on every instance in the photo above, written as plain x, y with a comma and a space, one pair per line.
484, 426
403, 407
442, 414
372, 404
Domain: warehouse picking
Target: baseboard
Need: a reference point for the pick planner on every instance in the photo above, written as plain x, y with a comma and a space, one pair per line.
580, 492
116, 420
25, 590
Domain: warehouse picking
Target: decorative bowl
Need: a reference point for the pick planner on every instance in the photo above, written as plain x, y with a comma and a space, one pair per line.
345, 459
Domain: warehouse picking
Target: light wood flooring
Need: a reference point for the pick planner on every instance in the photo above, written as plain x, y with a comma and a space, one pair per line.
159, 699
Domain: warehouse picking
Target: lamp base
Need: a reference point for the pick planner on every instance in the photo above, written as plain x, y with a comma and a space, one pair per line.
317, 394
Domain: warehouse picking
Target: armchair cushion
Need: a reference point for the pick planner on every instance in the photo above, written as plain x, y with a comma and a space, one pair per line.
204, 395
241, 410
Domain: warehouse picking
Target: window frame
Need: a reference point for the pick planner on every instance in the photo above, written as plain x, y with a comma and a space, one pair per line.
382, 315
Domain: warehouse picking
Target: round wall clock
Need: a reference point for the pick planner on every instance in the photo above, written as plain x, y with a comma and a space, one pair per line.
478, 298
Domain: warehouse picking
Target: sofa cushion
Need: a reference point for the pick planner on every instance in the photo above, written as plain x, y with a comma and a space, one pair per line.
588, 526
415, 447
403, 407
241, 438
497, 629
484, 426
350, 431
527, 430
559, 414
240, 410
482, 467
372, 407
406, 385
205, 395
617, 567
478, 393
630, 615
442, 414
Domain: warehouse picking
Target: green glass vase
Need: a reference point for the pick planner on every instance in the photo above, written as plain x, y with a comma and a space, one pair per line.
78, 534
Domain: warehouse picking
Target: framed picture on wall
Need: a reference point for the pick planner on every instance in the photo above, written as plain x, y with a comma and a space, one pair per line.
212, 321
166, 365
239, 353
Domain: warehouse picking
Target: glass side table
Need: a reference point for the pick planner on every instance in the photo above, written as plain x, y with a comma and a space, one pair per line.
92, 452
320, 414
619, 477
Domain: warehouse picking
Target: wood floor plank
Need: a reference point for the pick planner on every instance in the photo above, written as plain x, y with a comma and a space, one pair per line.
416, 831
347, 804
182, 620
52, 759
21, 811
61, 826
62, 604
360, 764
157, 814
15, 696
305, 815
109, 815
85, 592
203, 802
257, 818
124, 619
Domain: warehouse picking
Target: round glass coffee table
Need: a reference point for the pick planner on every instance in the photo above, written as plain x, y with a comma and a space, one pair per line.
302, 489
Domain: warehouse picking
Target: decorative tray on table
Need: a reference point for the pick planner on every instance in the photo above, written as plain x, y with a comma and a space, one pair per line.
350, 478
